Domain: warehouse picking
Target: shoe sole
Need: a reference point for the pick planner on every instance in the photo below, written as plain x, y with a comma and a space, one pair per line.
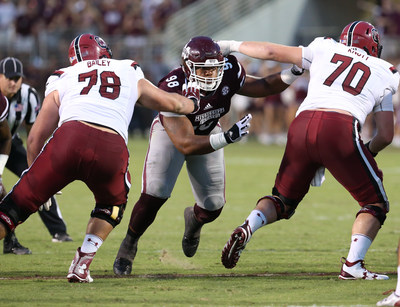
232, 251
354, 278
73, 278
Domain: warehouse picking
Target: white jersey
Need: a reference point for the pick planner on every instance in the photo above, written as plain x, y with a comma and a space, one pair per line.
347, 78
24, 107
101, 91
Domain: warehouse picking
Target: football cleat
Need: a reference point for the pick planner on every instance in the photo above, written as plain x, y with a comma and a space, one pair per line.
79, 269
392, 300
126, 254
356, 270
235, 245
11, 245
191, 237
61, 237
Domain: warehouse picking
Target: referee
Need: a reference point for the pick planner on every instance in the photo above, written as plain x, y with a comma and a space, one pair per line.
24, 106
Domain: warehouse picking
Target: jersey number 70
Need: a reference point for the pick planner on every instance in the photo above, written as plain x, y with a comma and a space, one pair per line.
355, 68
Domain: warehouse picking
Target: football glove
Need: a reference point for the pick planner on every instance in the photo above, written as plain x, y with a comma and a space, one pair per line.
191, 90
238, 130
296, 70
46, 206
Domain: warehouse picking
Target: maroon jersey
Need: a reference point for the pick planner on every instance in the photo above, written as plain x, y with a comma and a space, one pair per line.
3, 107
217, 103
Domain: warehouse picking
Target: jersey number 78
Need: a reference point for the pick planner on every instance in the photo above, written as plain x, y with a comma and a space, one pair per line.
108, 89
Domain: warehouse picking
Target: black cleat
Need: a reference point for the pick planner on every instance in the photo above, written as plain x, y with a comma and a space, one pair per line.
12, 246
191, 237
126, 255
122, 266
61, 237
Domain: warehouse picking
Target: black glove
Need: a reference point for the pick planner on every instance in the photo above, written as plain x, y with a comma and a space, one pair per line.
238, 130
296, 70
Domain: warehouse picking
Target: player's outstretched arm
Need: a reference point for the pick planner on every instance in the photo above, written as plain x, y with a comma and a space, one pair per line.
270, 85
264, 51
154, 98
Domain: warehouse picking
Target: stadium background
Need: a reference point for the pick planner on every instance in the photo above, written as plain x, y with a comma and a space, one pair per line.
153, 32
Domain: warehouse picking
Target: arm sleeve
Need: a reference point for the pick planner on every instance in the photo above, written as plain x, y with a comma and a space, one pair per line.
386, 103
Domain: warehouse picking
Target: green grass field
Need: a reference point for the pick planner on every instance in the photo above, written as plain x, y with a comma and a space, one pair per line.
289, 263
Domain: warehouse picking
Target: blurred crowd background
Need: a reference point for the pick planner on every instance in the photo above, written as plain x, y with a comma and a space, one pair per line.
39, 32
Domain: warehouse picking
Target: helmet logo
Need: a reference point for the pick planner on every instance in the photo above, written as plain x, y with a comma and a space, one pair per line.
185, 52
100, 42
375, 35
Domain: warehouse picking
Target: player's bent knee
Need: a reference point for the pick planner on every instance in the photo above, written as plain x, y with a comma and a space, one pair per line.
285, 207
205, 216
375, 211
110, 214
213, 203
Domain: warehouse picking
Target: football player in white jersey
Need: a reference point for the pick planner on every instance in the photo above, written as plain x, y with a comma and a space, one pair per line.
24, 106
348, 80
85, 117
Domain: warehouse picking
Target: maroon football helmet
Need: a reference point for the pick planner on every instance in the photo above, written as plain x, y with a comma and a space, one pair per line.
363, 35
88, 47
203, 52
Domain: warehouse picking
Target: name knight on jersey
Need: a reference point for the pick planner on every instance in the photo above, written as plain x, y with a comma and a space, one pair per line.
362, 55
102, 62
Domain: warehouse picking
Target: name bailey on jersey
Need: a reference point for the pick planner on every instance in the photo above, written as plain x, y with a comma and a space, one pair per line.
103, 62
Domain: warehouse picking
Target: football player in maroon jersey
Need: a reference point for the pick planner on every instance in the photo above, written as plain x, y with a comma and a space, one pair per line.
196, 139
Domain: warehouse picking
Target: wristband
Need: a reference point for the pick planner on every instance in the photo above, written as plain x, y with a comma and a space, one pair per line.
196, 106
234, 46
287, 76
3, 162
217, 141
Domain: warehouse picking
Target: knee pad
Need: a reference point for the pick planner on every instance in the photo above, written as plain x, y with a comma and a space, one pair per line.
285, 208
205, 216
376, 211
111, 214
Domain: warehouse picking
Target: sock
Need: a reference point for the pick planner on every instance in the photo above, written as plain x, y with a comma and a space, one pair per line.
358, 248
256, 220
91, 244
397, 292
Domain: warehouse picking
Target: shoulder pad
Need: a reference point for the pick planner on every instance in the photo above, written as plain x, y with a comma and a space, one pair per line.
57, 73
135, 64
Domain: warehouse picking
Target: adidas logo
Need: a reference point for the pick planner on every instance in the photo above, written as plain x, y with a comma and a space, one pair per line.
208, 106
